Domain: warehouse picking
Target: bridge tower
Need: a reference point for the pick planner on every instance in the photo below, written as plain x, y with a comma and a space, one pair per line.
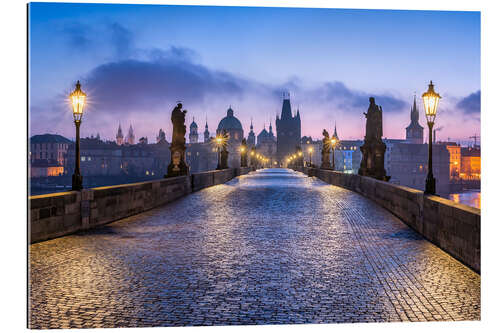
287, 130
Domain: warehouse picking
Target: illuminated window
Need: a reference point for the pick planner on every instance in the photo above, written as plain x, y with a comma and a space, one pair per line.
83, 158
147, 172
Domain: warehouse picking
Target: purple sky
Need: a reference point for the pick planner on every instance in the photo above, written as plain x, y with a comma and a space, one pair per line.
136, 61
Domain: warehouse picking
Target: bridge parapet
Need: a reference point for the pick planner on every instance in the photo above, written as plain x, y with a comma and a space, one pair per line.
58, 214
454, 227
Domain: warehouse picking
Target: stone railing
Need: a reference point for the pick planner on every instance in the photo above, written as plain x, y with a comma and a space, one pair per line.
453, 227
58, 214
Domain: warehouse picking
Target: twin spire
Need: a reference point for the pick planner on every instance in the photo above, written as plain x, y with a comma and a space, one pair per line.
130, 139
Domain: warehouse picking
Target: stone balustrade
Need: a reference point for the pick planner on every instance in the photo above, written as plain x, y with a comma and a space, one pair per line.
58, 214
454, 227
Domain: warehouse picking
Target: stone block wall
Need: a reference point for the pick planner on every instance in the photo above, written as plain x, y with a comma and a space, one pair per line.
54, 215
454, 227
215, 177
59, 214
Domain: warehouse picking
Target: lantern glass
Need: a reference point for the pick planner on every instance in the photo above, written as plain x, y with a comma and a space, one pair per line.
431, 100
77, 100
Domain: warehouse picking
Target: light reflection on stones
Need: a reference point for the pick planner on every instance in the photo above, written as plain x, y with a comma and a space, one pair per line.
273, 246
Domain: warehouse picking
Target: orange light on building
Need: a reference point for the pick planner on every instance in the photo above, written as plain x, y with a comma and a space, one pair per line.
470, 168
455, 159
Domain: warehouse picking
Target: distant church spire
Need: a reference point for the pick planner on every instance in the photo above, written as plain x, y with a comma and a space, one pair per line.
130, 136
119, 135
206, 134
251, 135
414, 132
335, 130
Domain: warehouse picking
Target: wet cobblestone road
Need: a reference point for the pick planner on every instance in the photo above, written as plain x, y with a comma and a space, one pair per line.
270, 247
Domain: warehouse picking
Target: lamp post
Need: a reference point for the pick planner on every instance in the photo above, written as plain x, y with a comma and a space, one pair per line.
310, 156
77, 100
333, 143
431, 100
243, 153
218, 142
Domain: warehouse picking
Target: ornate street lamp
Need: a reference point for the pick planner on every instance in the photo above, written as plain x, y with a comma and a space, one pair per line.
431, 100
77, 100
333, 143
218, 142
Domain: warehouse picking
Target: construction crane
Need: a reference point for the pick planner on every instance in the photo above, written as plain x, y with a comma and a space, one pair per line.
475, 137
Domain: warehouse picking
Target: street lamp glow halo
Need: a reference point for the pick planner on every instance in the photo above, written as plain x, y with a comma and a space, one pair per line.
77, 100
431, 100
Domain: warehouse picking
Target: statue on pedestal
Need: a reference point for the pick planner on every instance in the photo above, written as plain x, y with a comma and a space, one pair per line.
325, 151
373, 149
178, 166
243, 152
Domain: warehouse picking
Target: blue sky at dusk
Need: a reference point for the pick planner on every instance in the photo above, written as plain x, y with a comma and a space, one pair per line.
136, 61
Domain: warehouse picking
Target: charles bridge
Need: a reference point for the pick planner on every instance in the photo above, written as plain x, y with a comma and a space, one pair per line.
252, 245
245, 246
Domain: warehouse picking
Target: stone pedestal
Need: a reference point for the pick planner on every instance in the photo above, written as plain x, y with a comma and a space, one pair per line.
224, 155
372, 164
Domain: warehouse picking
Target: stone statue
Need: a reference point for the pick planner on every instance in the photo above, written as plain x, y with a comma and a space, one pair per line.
178, 166
373, 122
244, 153
325, 151
373, 149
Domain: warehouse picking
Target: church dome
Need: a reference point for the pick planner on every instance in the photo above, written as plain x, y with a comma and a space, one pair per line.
229, 122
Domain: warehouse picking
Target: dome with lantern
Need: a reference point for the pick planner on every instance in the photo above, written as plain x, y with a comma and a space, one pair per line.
232, 126
229, 122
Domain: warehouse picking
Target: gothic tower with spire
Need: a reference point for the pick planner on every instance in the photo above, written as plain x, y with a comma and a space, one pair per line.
206, 134
414, 132
130, 136
271, 134
335, 135
287, 130
119, 135
251, 136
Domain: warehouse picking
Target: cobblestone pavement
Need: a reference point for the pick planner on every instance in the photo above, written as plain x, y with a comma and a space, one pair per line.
270, 247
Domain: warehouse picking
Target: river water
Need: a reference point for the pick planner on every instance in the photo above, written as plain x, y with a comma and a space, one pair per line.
469, 198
